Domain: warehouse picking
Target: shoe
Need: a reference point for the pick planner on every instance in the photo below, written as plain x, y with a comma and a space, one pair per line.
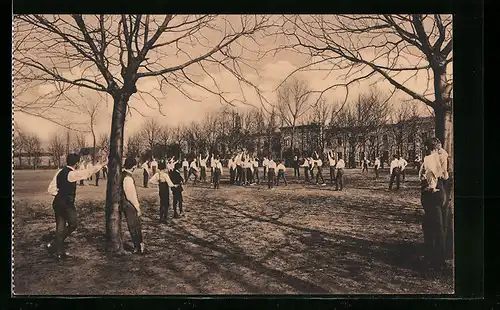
140, 250
176, 216
62, 256
324, 184
51, 248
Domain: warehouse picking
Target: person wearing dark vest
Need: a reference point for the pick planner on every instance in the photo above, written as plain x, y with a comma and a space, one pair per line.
162, 179
217, 172
63, 188
130, 205
176, 178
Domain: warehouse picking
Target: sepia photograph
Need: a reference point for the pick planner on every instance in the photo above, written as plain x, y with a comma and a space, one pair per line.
232, 154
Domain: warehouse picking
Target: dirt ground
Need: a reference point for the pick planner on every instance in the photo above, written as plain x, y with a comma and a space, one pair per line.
300, 238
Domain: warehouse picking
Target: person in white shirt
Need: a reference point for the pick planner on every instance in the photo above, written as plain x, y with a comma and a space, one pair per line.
154, 165
212, 167
305, 165
193, 170
130, 205
339, 180
203, 167
395, 172
417, 163
255, 176
433, 202
403, 163
265, 161
331, 162
217, 172
249, 170
171, 164
311, 167
271, 167
376, 166
162, 180
145, 173
82, 166
231, 164
318, 165
365, 164
239, 169
185, 168
63, 188
296, 167
281, 173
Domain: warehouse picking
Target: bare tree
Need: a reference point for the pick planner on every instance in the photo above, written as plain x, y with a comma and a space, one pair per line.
57, 149
115, 52
321, 113
80, 140
134, 145
397, 48
293, 104
18, 144
150, 133
32, 145
104, 142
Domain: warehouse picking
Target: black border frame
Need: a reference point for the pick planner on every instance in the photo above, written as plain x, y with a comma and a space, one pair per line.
470, 289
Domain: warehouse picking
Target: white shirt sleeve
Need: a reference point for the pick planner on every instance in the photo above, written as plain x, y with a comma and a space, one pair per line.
130, 192
53, 185
77, 175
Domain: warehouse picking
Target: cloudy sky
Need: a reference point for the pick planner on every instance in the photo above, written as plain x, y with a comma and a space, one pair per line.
178, 109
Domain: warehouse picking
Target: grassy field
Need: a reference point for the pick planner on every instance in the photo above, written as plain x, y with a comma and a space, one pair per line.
238, 240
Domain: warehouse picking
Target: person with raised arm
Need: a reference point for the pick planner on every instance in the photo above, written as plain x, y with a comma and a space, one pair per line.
339, 181
162, 180
331, 162
63, 188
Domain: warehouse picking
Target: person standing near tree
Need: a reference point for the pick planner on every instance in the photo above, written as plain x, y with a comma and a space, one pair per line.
445, 184
63, 188
365, 164
376, 166
339, 180
130, 205
395, 172
145, 173
433, 199
185, 168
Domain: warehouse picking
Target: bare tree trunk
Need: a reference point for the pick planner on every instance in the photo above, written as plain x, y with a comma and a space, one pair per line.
93, 146
114, 190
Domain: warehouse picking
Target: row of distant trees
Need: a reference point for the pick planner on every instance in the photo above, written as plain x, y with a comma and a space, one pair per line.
228, 130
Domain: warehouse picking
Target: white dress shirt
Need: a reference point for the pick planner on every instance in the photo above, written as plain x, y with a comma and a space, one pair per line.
394, 164
145, 166
265, 162
281, 167
402, 163
431, 170
73, 176
129, 190
154, 163
185, 163
218, 164
212, 162
271, 164
331, 161
193, 165
340, 164
203, 162
319, 162
161, 176
305, 164
255, 164
443, 159
377, 163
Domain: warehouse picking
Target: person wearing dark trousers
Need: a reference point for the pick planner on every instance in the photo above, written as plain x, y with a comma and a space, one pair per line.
145, 173
318, 165
281, 173
63, 188
445, 183
402, 164
239, 169
265, 161
339, 180
97, 175
176, 178
212, 168
271, 167
193, 170
203, 168
232, 170
255, 176
305, 165
296, 167
162, 180
130, 206
433, 199
249, 171
311, 166
331, 162
365, 164
104, 172
376, 167
217, 173
395, 172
